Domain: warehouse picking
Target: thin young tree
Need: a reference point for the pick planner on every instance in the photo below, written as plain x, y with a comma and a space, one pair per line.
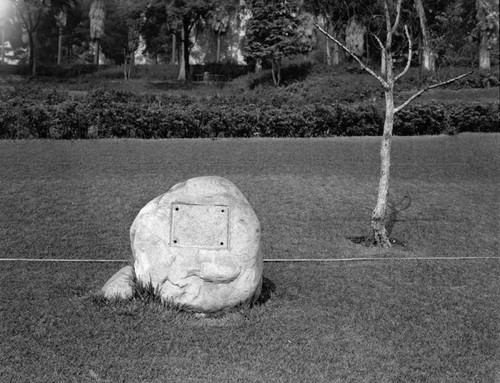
130, 21
97, 17
392, 16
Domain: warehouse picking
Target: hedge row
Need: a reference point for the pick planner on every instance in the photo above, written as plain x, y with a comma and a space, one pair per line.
106, 115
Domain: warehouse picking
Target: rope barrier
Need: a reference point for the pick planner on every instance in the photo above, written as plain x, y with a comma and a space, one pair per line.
272, 260
375, 259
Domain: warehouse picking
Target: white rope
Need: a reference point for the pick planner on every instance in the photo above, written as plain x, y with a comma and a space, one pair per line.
60, 260
376, 259
265, 260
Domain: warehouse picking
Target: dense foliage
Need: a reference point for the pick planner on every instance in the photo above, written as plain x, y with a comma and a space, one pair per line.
457, 30
275, 31
111, 114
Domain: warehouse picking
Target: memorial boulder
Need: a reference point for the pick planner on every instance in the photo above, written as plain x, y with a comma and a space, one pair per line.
199, 244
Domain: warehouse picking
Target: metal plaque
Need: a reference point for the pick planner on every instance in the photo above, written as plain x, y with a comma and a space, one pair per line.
202, 226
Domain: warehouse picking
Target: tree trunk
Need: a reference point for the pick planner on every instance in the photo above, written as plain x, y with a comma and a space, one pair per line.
336, 55
355, 36
182, 66
484, 54
59, 47
32, 53
273, 72
69, 50
185, 53
127, 64
3, 44
327, 45
173, 59
380, 235
276, 70
485, 16
96, 52
217, 58
383, 64
258, 65
428, 57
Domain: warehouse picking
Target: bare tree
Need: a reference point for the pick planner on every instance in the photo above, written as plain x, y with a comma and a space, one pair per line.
387, 81
133, 37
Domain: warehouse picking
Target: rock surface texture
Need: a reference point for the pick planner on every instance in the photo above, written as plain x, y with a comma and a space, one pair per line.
120, 285
200, 244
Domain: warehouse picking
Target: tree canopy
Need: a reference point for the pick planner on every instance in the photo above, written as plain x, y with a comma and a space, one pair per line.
451, 32
274, 31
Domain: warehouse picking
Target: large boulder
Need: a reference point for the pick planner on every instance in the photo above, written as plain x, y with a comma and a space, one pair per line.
199, 244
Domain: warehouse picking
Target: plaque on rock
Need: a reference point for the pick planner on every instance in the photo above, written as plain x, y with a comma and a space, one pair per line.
200, 226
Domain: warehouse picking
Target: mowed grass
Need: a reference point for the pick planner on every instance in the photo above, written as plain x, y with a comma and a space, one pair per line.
349, 321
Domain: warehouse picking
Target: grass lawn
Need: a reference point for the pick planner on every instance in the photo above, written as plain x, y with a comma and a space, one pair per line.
353, 321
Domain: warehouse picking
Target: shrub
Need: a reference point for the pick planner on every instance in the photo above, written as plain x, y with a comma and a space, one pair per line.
362, 120
110, 113
475, 118
421, 119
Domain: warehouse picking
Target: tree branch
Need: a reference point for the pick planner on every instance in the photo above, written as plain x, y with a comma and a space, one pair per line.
398, 15
419, 93
348, 51
388, 38
382, 48
410, 53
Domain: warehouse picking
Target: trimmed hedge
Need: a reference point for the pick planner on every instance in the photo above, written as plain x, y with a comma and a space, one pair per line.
115, 114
